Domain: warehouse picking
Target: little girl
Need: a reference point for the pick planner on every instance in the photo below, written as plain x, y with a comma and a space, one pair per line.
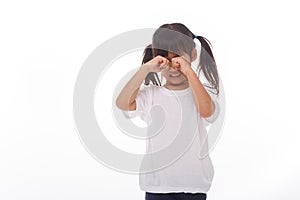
188, 105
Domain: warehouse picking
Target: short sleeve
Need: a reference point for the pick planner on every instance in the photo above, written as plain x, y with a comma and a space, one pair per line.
211, 119
143, 103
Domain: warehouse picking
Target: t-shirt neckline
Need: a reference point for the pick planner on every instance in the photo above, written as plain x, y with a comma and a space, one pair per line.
176, 92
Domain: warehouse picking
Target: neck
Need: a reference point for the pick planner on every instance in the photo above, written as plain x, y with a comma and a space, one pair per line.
180, 86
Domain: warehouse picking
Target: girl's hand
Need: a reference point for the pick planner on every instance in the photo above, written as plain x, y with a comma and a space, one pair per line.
157, 64
182, 63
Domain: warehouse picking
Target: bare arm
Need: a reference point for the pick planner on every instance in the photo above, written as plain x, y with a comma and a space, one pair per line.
126, 99
203, 100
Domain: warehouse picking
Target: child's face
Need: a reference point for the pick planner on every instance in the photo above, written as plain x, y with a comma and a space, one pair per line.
174, 78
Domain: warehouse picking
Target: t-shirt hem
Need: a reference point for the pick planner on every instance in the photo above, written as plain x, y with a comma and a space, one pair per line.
154, 189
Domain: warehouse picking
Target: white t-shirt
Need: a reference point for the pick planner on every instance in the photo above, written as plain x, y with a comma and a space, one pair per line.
176, 134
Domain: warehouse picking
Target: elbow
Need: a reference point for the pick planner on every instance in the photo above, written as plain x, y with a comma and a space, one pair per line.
208, 111
206, 114
122, 105
119, 104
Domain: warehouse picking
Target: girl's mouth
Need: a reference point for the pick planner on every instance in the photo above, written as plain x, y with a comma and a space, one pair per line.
175, 74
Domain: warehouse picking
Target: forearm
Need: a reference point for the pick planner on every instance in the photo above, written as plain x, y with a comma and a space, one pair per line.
203, 100
129, 92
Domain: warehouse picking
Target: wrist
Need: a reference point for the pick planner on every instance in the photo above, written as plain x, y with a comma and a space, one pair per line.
189, 72
145, 68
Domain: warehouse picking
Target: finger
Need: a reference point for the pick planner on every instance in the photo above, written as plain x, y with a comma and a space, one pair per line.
162, 59
176, 63
164, 62
165, 65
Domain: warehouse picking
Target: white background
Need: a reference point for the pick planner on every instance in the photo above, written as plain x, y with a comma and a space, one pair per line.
44, 44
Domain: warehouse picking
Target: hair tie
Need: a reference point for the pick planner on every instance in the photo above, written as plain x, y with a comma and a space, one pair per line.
195, 36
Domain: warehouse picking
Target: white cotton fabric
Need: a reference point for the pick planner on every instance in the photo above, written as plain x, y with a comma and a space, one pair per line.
189, 173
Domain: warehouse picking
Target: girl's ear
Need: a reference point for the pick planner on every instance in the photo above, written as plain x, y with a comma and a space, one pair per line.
194, 54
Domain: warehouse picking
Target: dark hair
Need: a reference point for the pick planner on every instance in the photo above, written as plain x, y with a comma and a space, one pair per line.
152, 76
177, 38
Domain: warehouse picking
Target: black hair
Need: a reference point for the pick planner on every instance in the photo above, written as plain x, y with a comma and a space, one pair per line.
177, 38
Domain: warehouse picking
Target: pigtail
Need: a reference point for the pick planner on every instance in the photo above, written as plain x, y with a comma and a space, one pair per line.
208, 65
152, 76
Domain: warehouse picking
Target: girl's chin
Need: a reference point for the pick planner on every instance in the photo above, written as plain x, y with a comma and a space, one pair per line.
176, 83
177, 79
